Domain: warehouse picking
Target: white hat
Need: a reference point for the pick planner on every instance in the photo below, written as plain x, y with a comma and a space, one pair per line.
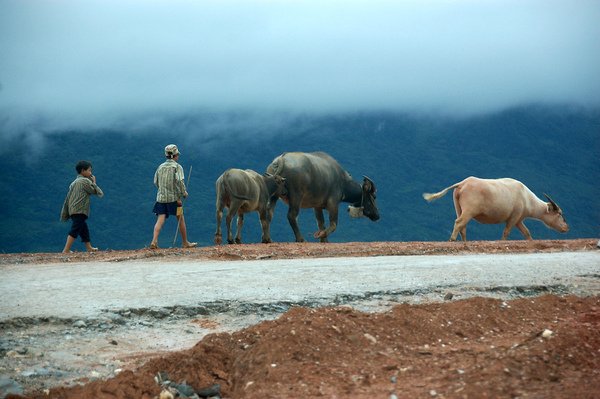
171, 150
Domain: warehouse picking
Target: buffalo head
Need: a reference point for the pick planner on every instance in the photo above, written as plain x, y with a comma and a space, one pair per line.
276, 187
554, 217
368, 202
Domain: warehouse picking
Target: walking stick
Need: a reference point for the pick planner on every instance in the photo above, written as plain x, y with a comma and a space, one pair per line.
179, 218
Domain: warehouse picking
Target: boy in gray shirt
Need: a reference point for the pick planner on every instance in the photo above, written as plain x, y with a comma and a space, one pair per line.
77, 205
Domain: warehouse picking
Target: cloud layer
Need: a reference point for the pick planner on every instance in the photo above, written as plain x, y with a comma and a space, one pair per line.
96, 61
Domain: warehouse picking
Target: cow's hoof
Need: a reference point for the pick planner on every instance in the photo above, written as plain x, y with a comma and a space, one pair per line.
320, 234
266, 241
230, 242
238, 241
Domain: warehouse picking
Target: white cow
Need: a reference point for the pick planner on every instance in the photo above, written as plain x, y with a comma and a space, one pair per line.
493, 201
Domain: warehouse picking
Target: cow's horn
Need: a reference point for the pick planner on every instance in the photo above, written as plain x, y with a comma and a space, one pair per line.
551, 201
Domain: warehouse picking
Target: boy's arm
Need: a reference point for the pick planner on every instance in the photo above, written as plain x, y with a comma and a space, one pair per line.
64, 213
92, 188
179, 181
99, 191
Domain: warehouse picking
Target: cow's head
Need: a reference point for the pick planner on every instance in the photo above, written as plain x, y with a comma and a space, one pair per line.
368, 201
554, 217
278, 187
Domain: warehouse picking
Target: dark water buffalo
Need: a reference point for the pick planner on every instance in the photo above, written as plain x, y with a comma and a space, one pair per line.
316, 180
243, 191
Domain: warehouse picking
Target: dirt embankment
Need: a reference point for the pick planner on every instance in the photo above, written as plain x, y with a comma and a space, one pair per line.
310, 250
546, 347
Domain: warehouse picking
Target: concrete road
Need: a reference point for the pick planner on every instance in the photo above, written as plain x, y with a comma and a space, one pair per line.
86, 289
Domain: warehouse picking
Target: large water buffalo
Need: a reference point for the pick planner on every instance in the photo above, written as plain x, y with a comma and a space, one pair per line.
243, 191
499, 201
316, 180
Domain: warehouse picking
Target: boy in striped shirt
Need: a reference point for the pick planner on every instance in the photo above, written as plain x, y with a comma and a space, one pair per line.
169, 180
77, 205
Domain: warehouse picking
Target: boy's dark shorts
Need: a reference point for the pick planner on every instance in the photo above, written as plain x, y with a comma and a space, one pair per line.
80, 227
165, 208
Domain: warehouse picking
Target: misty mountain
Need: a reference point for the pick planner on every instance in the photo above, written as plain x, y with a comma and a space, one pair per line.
552, 150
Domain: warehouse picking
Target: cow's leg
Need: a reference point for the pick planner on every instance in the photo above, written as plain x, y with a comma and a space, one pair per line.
219, 217
463, 233
240, 224
524, 230
320, 225
332, 209
265, 223
510, 223
271, 208
506, 231
292, 215
233, 209
460, 226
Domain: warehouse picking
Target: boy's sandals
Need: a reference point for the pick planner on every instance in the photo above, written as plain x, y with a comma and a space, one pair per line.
153, 246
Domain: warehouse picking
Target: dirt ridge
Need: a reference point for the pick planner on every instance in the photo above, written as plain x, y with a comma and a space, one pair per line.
308, 250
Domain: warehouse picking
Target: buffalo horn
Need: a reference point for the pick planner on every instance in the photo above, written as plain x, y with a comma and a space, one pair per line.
554, 205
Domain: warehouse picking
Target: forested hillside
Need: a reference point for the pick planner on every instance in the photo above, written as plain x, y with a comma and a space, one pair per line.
553, 150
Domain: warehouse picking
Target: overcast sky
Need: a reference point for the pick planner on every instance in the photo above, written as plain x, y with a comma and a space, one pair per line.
78, 61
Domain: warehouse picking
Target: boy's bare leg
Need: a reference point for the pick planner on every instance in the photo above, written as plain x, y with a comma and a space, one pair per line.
88, 246
160, 221
183, 230
68, 244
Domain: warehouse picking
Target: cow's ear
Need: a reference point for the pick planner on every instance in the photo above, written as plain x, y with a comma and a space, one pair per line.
368, 184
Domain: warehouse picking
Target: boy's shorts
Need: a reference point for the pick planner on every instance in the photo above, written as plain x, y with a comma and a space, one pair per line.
165, 208
80, 227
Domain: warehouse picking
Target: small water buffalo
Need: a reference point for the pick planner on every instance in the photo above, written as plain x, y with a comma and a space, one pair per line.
493, 201
243, 191
316, 180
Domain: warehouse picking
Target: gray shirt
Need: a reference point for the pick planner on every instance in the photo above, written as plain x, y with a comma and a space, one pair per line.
78, 197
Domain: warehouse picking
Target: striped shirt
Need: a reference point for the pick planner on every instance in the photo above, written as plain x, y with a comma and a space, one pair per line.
78, 197
169, 180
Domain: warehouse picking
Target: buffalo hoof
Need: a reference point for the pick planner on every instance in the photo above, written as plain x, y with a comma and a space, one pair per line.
320, 234
238, 241
218, 240
230, 242
267, 241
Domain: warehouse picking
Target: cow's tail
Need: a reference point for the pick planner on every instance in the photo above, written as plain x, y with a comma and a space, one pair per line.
433, 196
276, 166
219, 187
